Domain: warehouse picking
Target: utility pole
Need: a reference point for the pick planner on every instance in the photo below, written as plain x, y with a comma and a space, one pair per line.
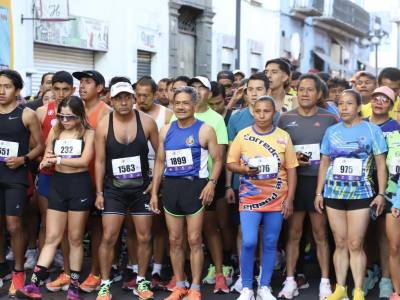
237, 35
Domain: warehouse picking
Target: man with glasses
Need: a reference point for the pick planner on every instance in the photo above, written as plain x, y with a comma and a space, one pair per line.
122, 176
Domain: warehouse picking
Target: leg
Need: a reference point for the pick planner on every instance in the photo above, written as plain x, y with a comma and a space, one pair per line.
194, 228
383, 246
76, 230
31, 221
393, 234
176, 232
225, 223
111, 227
43, 203
214, 241
250, 222
319, 230
96, 230
357, 221
295, 223
143, 233
159, 238
272, 228
131, 241
338, 223
14, 227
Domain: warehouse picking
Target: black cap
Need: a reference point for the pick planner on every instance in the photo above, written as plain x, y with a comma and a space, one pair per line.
225, 75
62, 76
96, 76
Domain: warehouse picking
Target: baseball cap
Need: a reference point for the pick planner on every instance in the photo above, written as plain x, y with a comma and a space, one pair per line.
384, 90
120, 87
238, 72
62, 76
203, 80
96, 76
225, 75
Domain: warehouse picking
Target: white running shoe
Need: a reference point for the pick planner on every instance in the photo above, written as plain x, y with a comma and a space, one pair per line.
325, 290
237, 286
31, 258
10, 255
265, 293
289, 290
246, 294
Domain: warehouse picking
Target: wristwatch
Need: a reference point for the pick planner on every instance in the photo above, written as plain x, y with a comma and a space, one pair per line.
27, 160
213, 181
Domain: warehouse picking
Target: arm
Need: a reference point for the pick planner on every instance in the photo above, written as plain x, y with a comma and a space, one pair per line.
379, 200
168, 115
323, 168
229, 193
158, 170
40, 113
153, 138
99, 166
236, 97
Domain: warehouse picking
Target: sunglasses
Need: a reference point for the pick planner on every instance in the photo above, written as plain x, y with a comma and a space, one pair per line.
66, 118
381, 98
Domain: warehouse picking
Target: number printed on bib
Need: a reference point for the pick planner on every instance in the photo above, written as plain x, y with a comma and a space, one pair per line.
347, 169
179, 160
127, 167
151, 165
8, 149
268, 167
311, 150
394, 167
68, 148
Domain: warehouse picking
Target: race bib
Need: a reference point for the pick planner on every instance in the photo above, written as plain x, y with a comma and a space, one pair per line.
68, 148
394, 167
268, 167
8, 149
127, 167
347, 169
311, 150
179, 160
151, 165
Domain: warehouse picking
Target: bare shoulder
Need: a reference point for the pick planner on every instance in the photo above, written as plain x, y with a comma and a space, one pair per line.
102, 125
164, 130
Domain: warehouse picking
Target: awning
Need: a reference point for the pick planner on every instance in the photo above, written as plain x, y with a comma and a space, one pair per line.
334, 65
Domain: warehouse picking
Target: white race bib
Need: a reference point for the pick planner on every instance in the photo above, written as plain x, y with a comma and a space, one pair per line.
268, 167
151, 165
8, 149
68, 148
179, 160
311, 150
394, 167
347, 169
127, 167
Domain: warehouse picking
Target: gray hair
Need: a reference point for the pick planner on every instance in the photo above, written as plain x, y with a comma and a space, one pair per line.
266, 99
187, 90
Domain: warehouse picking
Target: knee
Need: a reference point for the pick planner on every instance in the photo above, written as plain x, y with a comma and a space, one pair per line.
355, 244
320, 236
14, 228
175, 241
394, 249
75, 240
53, 239
109, 238
194, 240
248, 242
144, 238
341, 243
294, 236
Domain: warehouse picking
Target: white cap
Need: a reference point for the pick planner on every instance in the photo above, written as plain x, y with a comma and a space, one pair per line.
120, 87
204, 81
238, 71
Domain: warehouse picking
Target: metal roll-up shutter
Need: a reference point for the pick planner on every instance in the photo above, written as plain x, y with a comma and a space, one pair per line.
143, 63
52, 59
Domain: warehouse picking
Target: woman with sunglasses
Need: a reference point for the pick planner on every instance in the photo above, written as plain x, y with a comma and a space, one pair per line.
265, 158
349, 151
70, 149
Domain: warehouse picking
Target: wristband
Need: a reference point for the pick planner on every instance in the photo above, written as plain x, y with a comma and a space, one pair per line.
99, 193
214, 182
380, 194
318, 194
228, 187
58, 162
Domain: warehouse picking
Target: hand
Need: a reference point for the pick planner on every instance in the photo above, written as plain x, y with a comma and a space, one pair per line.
230, 196
99, 202
319, 204
237, 95
148, 188
47, 163
379, 201
207, 194
246, 170
287, 208
154, 204
300, 159
14, 162
49, 155
395, 212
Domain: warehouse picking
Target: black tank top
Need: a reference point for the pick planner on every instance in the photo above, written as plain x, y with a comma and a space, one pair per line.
116, 150
12, 129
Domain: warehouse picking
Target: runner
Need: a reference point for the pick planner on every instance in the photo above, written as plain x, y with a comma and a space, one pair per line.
17, 126
69, 150
348, 151
306, 126
183, 151
121, 181
265, 158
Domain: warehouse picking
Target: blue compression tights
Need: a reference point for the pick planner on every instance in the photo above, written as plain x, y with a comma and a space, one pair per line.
250, 223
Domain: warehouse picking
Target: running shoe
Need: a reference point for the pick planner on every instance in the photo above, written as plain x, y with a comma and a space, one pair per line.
228, 274
115, 274
73, 294
265, 293
302, 282
31, 258
385, 288
59, 260
237, 286
246, 294
340, 293
371, 279
104, 292
394, 296
90, 284
358, 294
61, 283
289, 290
17, 282
156, 283
30, 291
210, 277
143, 290
172, 284
178, 293
10, 255
193, 295
325, 290
220, 284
